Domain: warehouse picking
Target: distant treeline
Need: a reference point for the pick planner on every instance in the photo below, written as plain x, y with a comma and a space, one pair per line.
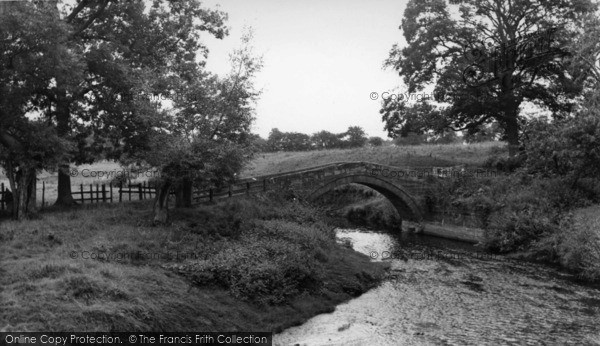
354, 137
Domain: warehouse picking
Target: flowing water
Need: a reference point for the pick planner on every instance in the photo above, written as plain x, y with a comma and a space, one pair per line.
442, 292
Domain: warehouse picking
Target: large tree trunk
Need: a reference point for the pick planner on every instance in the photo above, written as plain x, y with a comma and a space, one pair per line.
24, 200
161, 204
32, 193
512, 135
511, 114
65, 197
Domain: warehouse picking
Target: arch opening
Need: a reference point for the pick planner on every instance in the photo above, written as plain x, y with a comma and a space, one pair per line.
402, 201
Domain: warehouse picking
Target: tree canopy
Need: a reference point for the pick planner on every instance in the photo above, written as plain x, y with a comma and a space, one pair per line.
484, 60
83, 76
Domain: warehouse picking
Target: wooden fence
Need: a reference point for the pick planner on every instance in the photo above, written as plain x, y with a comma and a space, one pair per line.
109, 193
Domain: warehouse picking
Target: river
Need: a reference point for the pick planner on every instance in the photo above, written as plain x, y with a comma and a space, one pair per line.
442, 292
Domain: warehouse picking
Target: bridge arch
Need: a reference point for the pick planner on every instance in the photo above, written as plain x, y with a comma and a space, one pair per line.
400, 199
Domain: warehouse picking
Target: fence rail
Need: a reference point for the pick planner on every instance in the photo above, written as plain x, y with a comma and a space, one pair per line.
110, 193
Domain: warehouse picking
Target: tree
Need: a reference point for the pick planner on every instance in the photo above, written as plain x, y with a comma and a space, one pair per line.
296, 141
411, 138
567, 148
205, 138
570, 147
441, 51
288, 141
376, 141
484, 133
275, 140
259, 144
584, 63
32, 54
354, 137
325, 140
124, 49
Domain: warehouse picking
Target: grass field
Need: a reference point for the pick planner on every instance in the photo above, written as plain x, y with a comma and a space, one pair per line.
471, 155
51, 280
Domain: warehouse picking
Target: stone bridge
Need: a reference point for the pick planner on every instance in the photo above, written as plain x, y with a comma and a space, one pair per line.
403, 187
406, 188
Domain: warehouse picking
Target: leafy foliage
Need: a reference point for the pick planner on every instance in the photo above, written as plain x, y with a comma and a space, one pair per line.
568, 148
445, 39
354, 137
82, 67
278, 254
206, 137
376, 141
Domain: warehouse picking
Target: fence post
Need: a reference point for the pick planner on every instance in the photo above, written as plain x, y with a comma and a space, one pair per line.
2, 196
103, 193
120, 192
97, 193
110, 187
129, 190
140, 191
43, 194
91, 194
81, 190
144, 190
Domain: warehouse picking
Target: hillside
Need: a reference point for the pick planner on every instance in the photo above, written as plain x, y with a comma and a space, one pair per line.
428, 155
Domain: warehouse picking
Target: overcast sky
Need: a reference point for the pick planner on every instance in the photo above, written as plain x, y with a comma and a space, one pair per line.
322, 59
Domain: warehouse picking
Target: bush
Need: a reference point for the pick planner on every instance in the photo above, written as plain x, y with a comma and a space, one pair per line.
411, 139
517, 231
376, 141
504, 163
272, 262
569, 148
575, 244
579, 247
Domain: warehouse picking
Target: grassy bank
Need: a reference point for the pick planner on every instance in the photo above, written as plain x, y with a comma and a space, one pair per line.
262, 264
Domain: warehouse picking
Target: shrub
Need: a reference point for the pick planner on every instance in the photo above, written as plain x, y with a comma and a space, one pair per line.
411, 139
568, 148
273, 262
376, 141
575, 244
517, 231
503, 163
